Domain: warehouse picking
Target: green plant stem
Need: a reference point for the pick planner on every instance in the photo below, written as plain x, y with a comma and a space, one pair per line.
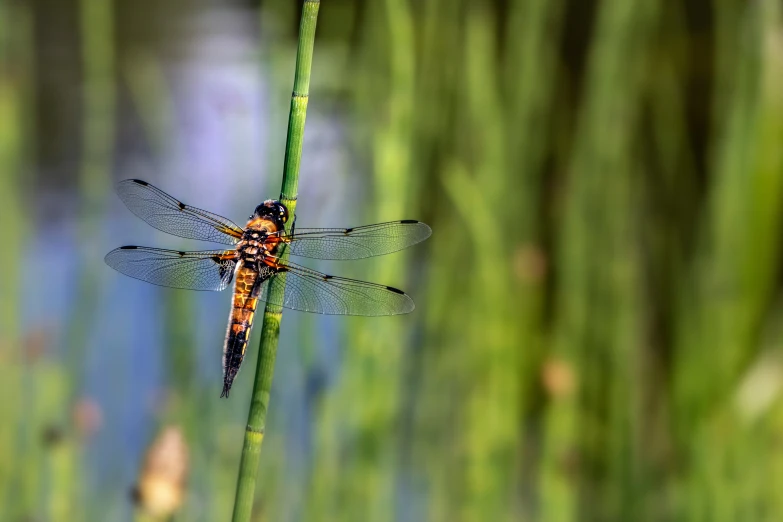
94, 183
270, 330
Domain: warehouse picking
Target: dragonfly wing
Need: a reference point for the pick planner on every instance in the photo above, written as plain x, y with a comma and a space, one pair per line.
174, 217
205, 270
310, 291
358, 242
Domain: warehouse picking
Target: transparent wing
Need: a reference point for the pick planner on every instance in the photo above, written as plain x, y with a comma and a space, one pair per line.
311, 291
205, 270
357, 242
174, 217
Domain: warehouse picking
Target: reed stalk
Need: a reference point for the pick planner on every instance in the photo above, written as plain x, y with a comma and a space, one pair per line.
270, 329
18, 476
97, 53
98, 128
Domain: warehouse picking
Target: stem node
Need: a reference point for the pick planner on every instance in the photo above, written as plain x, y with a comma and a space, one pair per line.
270, 329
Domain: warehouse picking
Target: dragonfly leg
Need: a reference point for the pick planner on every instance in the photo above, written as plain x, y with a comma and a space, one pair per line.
270, 262
289, 234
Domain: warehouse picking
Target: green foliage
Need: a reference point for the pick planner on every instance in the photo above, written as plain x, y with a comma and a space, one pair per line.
599, 323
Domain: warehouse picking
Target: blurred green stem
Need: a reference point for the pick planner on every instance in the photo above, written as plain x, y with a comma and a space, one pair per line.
270, 331
18, 477
98, 94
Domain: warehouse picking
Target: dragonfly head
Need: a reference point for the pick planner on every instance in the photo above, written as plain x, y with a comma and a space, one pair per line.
272, 210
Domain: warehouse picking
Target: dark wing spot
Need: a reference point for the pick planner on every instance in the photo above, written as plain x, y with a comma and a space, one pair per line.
181, 205
129, 248
327, 277
347, 230
140, 182
408, 221
181, 253
395, 290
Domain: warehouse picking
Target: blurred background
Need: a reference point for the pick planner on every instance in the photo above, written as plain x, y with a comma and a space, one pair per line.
599, 324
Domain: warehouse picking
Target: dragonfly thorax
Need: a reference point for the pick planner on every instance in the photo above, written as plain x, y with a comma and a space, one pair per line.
258, 241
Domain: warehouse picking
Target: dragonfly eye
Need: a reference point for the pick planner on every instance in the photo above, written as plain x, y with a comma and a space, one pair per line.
273, 210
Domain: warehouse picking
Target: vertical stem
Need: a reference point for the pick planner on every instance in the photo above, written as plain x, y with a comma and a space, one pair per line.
96, 31
270, 330
17, 471
98, 128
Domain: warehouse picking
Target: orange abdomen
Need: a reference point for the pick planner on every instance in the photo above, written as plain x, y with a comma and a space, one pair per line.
245, 301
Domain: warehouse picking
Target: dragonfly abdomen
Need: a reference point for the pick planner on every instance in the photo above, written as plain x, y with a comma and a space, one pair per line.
245, 301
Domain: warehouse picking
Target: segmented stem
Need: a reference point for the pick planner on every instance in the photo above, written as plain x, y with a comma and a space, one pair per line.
270, 329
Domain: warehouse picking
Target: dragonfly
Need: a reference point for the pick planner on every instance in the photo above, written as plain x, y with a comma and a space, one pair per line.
254, 262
